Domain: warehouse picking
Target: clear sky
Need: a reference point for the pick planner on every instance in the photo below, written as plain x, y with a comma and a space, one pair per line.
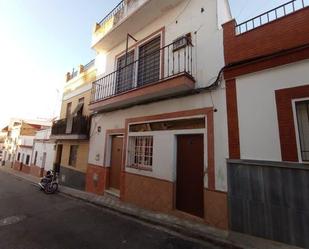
41, 40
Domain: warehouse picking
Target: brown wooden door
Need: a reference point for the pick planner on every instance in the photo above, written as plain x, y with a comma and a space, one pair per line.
58, 158
190, 174
116, 159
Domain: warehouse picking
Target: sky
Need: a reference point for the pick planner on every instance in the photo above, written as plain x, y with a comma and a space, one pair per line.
41, 40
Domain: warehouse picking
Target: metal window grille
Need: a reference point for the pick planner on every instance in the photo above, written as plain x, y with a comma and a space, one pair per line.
149, 62
125, 72
140, 152
302, 111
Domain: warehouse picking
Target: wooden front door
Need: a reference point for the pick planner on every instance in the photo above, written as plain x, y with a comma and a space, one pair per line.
116, 161
58, 158
190, 174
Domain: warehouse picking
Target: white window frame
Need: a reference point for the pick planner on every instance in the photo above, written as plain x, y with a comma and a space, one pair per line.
129, 156
294, 101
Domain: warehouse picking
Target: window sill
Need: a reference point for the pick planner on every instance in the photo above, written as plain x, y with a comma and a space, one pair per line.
140, 167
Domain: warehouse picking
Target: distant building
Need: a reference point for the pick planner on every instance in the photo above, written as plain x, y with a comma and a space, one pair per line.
19, 141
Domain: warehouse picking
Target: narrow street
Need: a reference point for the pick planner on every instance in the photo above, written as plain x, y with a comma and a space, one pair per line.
30, 219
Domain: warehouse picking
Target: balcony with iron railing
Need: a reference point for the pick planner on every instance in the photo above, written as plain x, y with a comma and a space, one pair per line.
164, 72
271, 15
284, 28
71, 128
129, 16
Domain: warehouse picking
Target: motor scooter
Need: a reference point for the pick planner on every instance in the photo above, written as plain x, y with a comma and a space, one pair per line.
49, 183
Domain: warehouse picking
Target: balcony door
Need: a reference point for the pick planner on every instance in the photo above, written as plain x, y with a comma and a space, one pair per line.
149, 62
125, 73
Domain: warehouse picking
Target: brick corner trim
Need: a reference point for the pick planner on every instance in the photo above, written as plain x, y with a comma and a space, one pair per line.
287, 134
232, 117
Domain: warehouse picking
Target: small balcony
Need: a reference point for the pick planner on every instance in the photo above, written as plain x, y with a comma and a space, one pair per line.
129, 16
156, 74
71, 128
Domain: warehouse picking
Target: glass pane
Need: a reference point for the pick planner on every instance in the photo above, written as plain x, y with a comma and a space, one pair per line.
302, 109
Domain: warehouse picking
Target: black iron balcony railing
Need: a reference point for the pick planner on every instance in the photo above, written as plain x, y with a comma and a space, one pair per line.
155, 66
271, 15
118, 8
79, 125
89, 65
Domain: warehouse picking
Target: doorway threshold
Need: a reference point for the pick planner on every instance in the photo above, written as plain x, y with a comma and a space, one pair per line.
113, 192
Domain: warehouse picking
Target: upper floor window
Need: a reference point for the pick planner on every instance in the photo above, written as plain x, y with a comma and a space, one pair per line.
81, 102
125, 72
149, 62
302, 113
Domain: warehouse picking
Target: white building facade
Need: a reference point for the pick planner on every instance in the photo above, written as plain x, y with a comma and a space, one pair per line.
43, 153
159, 107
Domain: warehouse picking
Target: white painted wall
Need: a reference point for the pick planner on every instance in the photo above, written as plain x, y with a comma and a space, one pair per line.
26, 140
165, 153
42, 145
25, 152
43, 134
257, 111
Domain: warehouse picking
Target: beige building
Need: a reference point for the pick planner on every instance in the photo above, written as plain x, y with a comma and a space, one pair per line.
71, 131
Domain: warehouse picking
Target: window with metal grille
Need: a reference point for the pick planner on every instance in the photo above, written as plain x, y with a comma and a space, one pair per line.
302, 112
149, 62
18, 156
140, 152
125, 72
73, 155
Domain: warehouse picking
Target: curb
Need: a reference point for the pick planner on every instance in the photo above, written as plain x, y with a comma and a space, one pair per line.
170, 226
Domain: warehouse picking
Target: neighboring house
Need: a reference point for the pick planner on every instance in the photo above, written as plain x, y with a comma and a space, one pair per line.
43, 153
159, 130
19, 139
24, 152
23, 133
267, 88
71, 131
10, 143
2, 140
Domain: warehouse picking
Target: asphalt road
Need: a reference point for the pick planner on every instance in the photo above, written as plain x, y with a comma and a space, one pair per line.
30, 219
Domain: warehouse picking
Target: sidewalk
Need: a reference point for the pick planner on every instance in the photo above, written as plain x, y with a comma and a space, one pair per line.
226, 239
